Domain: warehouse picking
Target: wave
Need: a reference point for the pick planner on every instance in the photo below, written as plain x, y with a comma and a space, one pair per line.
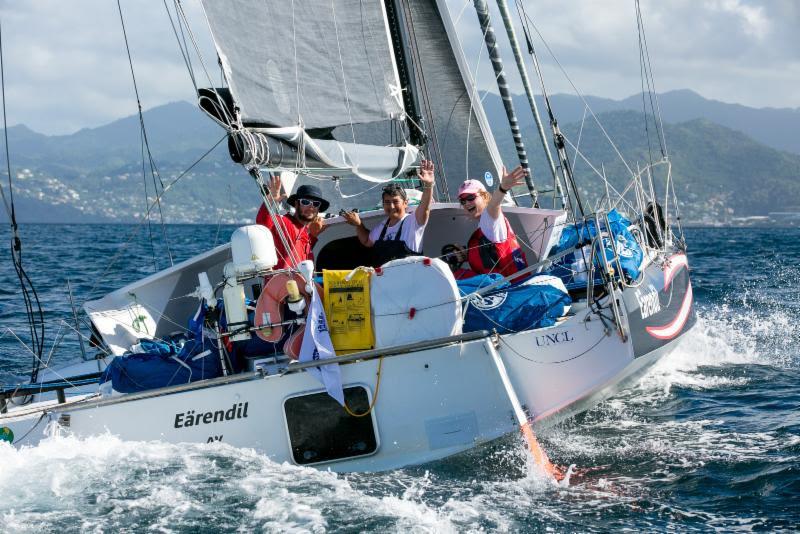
103, 483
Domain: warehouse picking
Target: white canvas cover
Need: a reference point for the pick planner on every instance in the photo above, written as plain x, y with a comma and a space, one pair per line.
427, 287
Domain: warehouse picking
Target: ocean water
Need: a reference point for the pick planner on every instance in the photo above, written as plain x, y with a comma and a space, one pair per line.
708, 440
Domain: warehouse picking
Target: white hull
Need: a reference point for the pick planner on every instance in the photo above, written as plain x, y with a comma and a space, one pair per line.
431, 404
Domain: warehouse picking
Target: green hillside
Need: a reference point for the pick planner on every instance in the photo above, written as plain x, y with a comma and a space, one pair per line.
717, 171
95, 175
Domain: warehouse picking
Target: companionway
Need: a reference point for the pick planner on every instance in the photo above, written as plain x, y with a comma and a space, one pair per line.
192, 418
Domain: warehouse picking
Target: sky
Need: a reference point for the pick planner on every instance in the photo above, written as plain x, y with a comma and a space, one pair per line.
66, 66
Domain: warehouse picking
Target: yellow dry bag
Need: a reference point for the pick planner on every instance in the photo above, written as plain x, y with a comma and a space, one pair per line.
348, 310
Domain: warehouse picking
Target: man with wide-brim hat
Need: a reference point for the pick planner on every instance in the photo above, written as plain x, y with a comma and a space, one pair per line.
299, 229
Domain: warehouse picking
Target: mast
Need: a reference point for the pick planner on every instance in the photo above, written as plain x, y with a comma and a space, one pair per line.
400, 46
523, 72
482, 9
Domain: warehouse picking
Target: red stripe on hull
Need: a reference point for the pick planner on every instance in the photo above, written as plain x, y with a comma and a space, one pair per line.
674, 328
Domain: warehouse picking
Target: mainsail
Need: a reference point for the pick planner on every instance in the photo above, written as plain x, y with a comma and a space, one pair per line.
296, 70
309, 63
313, 85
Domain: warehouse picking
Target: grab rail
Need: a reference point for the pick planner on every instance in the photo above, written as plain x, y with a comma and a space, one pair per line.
396, 350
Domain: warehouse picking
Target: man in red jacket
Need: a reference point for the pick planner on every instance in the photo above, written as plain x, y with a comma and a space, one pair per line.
300, 229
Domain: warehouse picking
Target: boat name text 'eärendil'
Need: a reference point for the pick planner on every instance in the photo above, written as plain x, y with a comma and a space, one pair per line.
554, 338
193, 418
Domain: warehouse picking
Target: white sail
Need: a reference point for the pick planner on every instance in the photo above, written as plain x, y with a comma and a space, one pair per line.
309, 63
454, 115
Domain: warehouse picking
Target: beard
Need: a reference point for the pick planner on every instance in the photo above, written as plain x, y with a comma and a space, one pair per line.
304, 216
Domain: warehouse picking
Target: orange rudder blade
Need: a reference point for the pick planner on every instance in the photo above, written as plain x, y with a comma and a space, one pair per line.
539, 456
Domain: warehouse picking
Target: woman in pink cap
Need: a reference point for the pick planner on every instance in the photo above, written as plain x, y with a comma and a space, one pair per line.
493, 247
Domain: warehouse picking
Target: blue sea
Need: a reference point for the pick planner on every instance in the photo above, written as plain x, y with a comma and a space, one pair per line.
708, 440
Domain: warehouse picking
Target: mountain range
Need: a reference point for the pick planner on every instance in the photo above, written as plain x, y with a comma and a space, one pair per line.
778, 128
728, 160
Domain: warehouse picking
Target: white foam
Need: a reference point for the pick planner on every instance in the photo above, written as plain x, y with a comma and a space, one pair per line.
105, 484
722, 338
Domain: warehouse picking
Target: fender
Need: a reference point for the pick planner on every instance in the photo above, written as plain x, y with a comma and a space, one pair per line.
270, 304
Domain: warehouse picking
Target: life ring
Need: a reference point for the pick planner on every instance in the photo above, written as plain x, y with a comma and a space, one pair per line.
269, 310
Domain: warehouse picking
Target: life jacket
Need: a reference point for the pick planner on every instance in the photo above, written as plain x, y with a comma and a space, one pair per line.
463, 274
269, 310
387, 250
485, 256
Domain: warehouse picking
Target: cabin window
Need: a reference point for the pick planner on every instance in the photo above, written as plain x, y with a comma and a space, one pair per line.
321, 431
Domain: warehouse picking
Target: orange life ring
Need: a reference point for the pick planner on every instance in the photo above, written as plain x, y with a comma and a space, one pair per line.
269, 311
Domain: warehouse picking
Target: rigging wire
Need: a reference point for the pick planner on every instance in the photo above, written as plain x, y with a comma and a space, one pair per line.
145, 216
224, 109
558, 137
146, 201
182, 45
153, 169
644, 103
647, 69
33, 307
527, 20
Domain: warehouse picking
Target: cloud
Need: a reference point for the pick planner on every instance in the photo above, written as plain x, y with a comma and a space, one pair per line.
732, 50
66, 66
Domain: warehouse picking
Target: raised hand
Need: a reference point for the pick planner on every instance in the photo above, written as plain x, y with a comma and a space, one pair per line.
513, 178
426, 173
274, 187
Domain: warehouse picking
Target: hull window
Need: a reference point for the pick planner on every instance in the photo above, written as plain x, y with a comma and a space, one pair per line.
321, 431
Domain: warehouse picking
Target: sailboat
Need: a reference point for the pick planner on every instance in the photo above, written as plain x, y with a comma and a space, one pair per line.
349, 95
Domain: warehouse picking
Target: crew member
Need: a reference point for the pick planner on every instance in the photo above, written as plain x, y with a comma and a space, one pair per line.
400, 235
493, 247
300, 229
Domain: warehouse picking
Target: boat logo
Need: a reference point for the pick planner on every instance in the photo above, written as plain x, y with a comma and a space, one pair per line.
553, 339
622, 247
6, 434
487, 176
193, 418
489, 302
649, 304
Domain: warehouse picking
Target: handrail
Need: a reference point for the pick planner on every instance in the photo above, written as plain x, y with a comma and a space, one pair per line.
256, 375
397, 350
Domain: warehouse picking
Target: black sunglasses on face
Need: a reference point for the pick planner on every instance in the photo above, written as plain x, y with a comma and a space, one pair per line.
466, 198
309, 202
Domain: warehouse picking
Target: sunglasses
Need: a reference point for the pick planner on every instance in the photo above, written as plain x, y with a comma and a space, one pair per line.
309, 202
466, 198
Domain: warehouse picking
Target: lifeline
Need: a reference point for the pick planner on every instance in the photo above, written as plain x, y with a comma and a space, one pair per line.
190, 418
